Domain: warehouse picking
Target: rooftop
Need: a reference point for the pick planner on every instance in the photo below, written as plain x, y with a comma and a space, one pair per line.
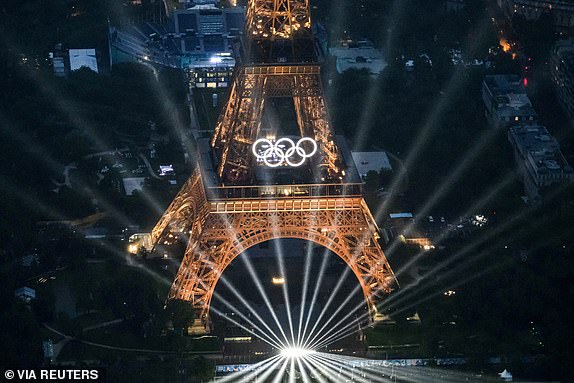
359, 58
371, 161
502, 84
209, 20
534, 138
192, 37
80, 58
509, 95
536, 142
133, 184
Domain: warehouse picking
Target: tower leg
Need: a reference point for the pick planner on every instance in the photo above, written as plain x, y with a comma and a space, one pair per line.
199, 327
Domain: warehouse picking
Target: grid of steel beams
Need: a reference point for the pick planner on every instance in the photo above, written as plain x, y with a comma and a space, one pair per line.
217, 228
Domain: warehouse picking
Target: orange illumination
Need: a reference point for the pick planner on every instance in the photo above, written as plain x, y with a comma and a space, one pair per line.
278, 280
505, 45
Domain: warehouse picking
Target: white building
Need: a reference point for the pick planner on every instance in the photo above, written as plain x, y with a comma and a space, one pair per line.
360, 55
80, 58
133, 184
371, 161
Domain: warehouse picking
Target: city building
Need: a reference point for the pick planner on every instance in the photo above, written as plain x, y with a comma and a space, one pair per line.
132, 185
506, 101
562, 71
210, 33
83, 58
200, 40
371, 161
358, 55
58, 59
66, 60
562, 11
539, 159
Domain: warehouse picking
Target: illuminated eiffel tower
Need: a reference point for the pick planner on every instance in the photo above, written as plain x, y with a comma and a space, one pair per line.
248, 187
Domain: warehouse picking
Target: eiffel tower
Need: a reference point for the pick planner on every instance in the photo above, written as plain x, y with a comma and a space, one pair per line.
249, 187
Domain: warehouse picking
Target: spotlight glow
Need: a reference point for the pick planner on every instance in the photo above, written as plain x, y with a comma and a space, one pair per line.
296, 352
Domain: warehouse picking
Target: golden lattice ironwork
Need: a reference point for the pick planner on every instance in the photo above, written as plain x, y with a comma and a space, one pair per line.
279, 30
219, 221
278, 19
218, 231
239, 124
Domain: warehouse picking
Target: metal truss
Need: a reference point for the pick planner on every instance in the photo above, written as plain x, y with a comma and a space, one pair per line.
269, 19
279, 30
238, 126
182, 219
218, 231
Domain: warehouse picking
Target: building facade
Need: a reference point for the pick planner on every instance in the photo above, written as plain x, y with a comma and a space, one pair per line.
539, 159
200, 40
562, 11
562, 72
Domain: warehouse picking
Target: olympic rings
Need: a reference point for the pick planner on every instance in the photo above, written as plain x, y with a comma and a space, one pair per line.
280, 152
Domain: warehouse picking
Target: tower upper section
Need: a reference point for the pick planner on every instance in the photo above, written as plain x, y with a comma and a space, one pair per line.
279, 31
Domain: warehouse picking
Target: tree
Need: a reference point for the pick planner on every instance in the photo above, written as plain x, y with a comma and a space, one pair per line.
133, 296
20, 337
181, 314
202, 368
372, 181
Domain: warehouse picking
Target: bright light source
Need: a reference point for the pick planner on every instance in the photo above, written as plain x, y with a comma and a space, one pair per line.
215, 60
278, 280
296, 352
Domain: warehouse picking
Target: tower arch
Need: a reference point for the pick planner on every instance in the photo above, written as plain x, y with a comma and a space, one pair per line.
230, 204
228, 228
